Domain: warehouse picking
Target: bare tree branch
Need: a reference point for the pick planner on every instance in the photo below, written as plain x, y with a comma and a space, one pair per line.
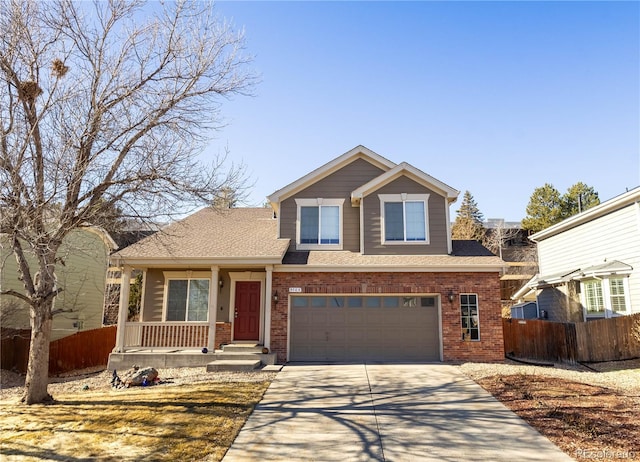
102, 110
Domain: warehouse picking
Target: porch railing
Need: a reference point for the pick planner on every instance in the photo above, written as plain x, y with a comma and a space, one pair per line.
166, 335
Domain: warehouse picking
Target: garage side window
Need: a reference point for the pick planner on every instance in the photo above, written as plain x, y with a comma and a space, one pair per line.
469, 317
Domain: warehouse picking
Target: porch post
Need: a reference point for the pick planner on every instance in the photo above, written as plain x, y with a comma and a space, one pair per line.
267, 307
213, 307
123, 311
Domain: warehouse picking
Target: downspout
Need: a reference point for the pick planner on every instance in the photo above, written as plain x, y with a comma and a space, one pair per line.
267, 307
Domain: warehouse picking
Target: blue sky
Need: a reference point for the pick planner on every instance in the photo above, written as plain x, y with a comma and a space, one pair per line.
496, 98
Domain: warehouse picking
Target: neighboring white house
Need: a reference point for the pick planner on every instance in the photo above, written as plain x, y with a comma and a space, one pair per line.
589, 264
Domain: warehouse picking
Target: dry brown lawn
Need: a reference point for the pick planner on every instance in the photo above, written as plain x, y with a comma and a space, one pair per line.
588, 422
169, 423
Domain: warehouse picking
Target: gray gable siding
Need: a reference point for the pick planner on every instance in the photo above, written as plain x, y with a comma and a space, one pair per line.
337, 185
437, 221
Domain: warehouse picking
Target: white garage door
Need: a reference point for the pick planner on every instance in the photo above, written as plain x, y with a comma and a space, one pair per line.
364, 328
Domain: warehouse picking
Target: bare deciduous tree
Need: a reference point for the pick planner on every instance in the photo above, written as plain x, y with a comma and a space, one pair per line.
105, 105
496, 237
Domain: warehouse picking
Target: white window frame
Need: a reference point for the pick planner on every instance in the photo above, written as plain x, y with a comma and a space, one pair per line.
184, 276
469, 317
605, 284
319, 202
404, 197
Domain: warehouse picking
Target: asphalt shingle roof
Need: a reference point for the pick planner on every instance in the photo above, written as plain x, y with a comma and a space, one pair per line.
345, 258
214, 233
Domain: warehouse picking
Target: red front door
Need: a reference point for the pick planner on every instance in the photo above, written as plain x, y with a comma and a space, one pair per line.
246, 325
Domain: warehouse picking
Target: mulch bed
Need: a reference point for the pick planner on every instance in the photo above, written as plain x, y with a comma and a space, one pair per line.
587, 422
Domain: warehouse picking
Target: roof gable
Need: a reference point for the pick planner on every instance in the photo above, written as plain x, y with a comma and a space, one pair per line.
404, 169
359, 152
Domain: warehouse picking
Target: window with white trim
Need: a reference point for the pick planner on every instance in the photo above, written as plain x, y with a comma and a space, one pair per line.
404, 218
593, 298
187, 300
469, 317
319, 224
601, 297
617, 295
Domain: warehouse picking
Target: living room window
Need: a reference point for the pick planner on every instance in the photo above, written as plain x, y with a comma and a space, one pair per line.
404, 218
469, 317
187, 299
319, 224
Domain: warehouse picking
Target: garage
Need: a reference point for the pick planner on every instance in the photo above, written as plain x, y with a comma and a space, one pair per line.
393, 328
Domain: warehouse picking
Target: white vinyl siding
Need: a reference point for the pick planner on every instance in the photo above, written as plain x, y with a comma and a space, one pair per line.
615, 236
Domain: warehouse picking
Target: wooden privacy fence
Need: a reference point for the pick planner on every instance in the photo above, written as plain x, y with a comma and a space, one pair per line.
90, 348
602, 340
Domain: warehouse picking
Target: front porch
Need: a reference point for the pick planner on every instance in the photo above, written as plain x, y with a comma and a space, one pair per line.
187, 317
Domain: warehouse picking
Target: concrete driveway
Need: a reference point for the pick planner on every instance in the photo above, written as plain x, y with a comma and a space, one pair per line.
384, 412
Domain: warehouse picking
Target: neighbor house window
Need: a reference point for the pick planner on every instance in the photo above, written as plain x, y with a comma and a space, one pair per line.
319, 224
187, 300
404, 218
593, 298
469, 317
617, 294
602, 296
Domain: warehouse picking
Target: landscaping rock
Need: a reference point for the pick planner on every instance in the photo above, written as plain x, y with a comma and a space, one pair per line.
135, 376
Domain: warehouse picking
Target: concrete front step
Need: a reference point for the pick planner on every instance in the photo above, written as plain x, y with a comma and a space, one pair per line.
241, 348
224, 355
236, 365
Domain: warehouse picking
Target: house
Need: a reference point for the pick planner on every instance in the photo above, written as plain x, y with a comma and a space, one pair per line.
589, 264
510, 242
81, 274
354, 261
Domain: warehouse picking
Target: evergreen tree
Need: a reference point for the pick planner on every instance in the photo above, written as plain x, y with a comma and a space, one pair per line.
547, 207
579, 198
468, 223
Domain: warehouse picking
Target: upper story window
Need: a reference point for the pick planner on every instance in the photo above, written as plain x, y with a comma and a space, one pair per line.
319, 224
404, 218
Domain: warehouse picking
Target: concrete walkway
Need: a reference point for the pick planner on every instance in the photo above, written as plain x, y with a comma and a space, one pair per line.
384, 412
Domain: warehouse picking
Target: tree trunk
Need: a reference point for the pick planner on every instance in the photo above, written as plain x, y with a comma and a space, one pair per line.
37, 381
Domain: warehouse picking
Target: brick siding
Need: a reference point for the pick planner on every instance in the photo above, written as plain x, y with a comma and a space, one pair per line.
490, 347
223, 334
